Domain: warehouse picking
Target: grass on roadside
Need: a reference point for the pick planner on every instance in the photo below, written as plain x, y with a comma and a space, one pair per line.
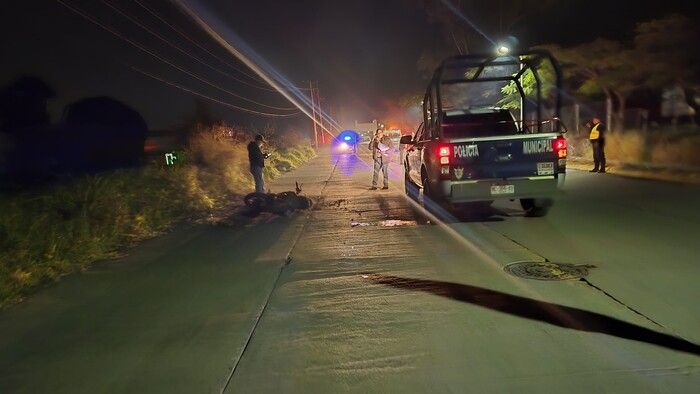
70, 224
634, 146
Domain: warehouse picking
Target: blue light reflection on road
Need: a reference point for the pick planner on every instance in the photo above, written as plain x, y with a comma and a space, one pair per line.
350, 164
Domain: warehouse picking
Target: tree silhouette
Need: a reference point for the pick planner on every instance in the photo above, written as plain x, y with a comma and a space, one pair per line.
101, 133
23, 105
659, 56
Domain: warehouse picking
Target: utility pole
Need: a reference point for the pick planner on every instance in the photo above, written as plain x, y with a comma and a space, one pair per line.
320, 114
330, 114
313, 110
609, 114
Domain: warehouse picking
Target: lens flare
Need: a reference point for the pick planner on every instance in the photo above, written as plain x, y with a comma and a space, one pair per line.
238, 47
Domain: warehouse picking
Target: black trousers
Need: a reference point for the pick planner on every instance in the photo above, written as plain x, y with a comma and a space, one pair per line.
598, 154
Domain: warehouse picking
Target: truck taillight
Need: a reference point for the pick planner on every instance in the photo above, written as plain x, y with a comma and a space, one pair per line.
444, 155
560, 147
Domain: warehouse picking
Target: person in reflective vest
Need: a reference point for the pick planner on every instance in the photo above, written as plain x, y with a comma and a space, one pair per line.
597, 138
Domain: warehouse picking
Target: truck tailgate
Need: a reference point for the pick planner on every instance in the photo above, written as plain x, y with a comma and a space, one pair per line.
522, 156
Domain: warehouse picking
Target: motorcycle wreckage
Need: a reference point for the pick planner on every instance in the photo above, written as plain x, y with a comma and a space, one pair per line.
284, 203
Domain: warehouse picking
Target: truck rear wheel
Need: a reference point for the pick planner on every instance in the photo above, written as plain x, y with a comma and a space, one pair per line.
411, 188
536, 207
437, 202
427, 192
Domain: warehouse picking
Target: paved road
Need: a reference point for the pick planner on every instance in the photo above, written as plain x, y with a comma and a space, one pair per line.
641, 235
354, 296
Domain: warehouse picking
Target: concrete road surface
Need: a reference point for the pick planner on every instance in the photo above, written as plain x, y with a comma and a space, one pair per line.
355, 295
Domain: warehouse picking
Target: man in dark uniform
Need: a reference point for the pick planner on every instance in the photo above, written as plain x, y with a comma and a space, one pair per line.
257, 162
597, 138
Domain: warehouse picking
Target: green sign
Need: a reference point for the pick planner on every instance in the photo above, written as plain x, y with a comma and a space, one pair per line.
173, 158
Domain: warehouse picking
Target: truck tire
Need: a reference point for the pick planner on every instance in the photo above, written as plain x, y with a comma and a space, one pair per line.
413, 191
411, 188
427, 190
437, 202
536, 207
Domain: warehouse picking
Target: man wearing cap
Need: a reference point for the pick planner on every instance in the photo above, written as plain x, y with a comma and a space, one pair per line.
257, 162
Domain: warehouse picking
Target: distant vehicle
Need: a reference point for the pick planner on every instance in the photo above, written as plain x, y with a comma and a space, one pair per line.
365, 130
468, 151
346, 142
365, 136
394, 135
160, 141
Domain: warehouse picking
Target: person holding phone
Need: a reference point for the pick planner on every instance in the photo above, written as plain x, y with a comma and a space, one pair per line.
381, 146
257, 162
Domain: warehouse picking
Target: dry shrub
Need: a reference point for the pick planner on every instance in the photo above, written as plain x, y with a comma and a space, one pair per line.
673, 151
624, 147
221, 163
291, 158
634, 146
291, 138
578, 147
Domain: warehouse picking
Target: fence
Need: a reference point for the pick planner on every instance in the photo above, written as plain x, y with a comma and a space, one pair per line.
574, 118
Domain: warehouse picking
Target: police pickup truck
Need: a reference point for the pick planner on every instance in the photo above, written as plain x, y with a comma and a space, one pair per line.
471, 151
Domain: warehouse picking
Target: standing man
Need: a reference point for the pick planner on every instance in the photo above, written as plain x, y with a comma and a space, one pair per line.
257, 162
597, 137
381, 146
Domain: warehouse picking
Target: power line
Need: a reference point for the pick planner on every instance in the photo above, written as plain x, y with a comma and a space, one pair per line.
164, 21
193, 57
246, 55
265, 114
174, 28
120, 35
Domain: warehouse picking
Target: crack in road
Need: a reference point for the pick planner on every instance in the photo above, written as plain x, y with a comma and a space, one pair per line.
255, 326
285, 263
599, 289
623, 304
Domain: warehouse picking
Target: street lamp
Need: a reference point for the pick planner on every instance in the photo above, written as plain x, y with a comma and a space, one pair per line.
506, 46
502, 50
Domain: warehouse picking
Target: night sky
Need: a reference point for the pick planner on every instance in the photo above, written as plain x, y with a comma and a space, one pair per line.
363, 53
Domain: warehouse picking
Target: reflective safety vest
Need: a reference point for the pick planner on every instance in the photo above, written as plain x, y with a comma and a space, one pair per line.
595, 134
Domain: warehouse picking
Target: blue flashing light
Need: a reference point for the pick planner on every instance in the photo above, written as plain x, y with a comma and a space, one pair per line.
348, 136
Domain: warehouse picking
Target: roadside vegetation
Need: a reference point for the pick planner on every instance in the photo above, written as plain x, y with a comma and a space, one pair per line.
670, 147
64, 227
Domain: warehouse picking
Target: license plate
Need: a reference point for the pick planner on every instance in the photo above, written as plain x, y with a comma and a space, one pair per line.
545, 168
502, 189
